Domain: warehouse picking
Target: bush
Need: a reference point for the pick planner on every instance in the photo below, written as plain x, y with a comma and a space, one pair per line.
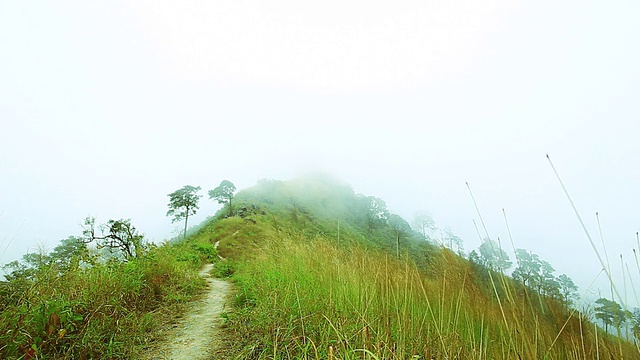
206, 249
102, 311
224, 269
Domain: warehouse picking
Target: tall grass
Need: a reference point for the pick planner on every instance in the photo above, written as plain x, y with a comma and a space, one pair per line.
107, 310
313, 299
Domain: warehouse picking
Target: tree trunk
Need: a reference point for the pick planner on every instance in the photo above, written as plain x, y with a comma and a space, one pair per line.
186, 219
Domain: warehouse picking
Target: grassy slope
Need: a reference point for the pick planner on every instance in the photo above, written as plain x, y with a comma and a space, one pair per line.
304, 293
313, 281
107, 311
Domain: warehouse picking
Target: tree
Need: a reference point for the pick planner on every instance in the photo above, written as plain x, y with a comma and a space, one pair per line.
69, 253
493, 256
223, 194
610, 312
183, 203
550, 286
115, 235
634, 319
568, 290
64, 257
376, 210
475, 258
401, 229
28, 266
534, 272
452, 241
545, 281
528, 267
423, 223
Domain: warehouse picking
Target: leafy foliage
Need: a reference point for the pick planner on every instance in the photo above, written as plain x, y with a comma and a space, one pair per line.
322, 271
117, 235
568, 290
27, 267
453, 241
69, 253
536, 273
424, 224
529, 267
376, 211
184, 203
401, 228
634, 319
68, 304
65, 256
610, 313
493, 257
224, 194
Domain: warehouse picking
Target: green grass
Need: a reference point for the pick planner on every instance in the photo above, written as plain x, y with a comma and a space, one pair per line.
306, 291
303, 290
300, 298
105, 311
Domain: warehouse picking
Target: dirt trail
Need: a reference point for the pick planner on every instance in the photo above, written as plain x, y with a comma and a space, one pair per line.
197, 334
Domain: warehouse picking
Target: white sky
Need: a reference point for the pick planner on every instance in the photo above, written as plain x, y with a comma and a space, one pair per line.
106, 108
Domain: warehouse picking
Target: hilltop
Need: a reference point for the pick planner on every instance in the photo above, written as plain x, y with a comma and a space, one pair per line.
317, 271
322, 271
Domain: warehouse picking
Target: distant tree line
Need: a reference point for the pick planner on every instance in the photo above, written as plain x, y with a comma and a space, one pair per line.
424, 224
614, 316
537, 275
531, 271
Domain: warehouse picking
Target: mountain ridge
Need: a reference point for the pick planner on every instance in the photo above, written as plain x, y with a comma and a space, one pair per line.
297, 227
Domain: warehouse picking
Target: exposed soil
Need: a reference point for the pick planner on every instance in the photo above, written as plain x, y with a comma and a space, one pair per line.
197, 335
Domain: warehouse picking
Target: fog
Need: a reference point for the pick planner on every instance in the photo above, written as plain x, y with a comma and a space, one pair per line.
107, 108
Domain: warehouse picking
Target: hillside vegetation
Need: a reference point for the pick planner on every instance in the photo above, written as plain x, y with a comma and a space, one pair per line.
319, 272
322, 272
73, 303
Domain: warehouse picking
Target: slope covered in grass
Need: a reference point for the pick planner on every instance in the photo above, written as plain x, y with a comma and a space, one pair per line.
319, 272
83, 307
319, 275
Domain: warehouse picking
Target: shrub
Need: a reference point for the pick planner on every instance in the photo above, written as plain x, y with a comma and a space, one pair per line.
101, 311
224, 269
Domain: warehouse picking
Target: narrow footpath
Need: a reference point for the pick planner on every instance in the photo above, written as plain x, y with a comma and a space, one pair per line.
197, 335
